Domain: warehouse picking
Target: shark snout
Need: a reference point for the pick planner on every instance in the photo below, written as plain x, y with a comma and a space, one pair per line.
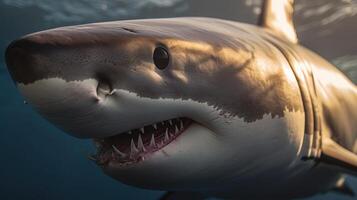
51, 54
21, 59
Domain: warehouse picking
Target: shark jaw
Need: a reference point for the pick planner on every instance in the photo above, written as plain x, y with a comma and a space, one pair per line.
136, 145
201, 139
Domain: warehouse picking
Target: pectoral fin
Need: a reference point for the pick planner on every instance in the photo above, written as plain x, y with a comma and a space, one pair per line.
343, 188
338, 157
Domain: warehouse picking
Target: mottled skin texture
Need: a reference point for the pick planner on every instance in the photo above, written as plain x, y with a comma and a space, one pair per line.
241, 70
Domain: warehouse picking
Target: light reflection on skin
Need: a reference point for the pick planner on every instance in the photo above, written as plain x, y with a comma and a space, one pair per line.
206, 56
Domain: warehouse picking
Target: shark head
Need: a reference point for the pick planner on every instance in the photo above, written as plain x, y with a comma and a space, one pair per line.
170, 103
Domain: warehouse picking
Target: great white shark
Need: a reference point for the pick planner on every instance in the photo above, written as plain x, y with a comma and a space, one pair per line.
200, 107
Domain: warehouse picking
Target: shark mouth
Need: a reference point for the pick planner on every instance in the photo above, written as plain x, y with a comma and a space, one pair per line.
136, 145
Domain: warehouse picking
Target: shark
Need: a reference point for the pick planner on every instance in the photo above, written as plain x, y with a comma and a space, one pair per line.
199, 107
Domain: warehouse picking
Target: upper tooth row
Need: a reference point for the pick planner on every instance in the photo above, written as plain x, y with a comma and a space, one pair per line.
142, 131
135, 149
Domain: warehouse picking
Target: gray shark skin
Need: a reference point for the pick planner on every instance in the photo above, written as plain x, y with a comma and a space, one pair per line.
201, 107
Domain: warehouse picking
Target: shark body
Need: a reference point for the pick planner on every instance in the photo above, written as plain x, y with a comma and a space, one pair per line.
198, 106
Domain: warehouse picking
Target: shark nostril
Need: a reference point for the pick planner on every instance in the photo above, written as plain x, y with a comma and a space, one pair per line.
104, 89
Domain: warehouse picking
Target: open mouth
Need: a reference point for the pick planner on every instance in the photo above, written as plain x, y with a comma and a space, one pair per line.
135, 145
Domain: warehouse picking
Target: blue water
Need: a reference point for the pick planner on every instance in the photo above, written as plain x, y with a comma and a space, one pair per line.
40, 162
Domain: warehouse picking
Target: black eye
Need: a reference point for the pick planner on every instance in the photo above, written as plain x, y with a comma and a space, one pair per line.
161, 57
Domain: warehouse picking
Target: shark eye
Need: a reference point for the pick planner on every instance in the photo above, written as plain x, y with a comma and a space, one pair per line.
161, 57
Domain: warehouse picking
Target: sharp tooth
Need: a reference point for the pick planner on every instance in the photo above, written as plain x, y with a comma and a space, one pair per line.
141, 144
92, 158
155, 126
133, 148
152, 141
121, 154
170, 121
167, 138
176, 129
181, 123
142, 130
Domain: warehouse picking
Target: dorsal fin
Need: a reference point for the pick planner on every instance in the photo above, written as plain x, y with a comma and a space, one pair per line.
277, 15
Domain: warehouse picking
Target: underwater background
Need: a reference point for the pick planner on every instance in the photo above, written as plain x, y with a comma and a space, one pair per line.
39, 162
